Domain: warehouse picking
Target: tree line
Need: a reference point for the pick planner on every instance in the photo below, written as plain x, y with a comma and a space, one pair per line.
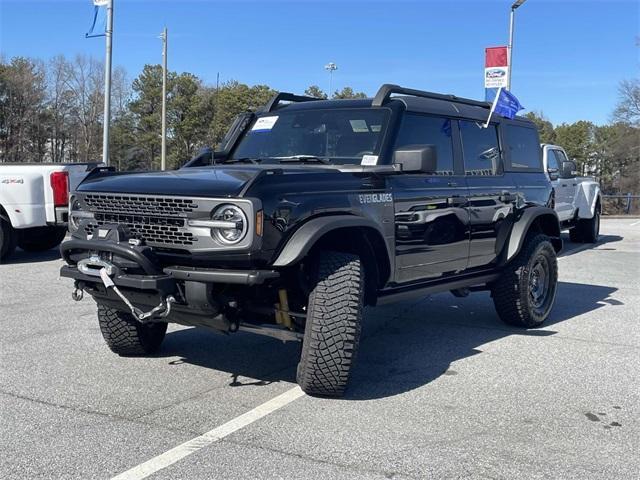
52, 112
609, 152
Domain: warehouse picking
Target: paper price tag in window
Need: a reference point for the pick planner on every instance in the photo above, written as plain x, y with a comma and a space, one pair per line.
359, 126
369, 160
264, 124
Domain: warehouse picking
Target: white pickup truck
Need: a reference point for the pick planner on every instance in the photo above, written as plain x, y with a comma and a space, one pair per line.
34, 203
577, 200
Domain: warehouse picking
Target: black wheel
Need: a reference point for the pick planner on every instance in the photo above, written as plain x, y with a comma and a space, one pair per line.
126, 336
40, 239
575, 235
525, 292
7, 239
332, 331
589, 228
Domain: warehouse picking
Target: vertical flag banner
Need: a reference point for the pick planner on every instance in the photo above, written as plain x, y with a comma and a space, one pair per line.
96, 10
496, 71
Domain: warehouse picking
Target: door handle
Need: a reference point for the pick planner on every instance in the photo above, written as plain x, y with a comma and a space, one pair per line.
452, 184
507, 197
456, 201
564, 185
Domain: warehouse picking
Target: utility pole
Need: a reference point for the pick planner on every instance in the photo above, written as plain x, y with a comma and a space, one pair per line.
163, 154
330, 67
107, 84
515, 5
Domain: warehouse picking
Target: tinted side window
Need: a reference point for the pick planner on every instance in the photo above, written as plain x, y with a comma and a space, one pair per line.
524, 147
425, 130
553, 160
561, 157
480, 148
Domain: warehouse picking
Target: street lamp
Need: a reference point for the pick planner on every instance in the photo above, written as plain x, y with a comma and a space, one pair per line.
515, 5
330, 67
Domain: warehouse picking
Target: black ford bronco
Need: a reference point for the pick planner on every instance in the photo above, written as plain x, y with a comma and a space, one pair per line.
313, 209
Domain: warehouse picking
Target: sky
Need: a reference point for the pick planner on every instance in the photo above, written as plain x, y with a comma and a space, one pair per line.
568, 57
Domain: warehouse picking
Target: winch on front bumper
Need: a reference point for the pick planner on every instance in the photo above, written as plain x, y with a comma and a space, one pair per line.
121, 272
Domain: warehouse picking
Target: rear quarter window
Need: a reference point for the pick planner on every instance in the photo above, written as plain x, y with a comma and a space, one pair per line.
522, 146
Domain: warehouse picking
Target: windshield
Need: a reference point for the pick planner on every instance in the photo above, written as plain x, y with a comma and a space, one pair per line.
339, 136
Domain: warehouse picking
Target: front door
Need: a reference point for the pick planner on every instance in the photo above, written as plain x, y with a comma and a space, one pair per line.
564, 188
491, 191
431, 215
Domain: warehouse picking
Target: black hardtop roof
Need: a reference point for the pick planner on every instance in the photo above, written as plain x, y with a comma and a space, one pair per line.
430, 103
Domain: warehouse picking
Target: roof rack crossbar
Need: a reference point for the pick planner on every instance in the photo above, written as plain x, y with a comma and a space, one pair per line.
285, 97
386, 90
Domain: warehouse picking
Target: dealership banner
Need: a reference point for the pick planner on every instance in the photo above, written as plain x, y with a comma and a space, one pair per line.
496, 71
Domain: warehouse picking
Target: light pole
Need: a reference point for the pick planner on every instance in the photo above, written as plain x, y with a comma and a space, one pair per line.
163, 150
515, 5
330, 67
107, 84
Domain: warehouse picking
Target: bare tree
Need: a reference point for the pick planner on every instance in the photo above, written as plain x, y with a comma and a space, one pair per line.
628, 108
84, 78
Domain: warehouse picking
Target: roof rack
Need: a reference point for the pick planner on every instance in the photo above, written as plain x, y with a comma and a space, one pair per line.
386, 90
286, 97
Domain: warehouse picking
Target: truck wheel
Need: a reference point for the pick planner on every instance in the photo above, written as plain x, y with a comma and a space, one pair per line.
126, 336
525, 292
7, 239
332, 332
589, 228
40, 239
575, 234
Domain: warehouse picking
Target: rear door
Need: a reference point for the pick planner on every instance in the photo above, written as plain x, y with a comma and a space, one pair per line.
492, 192
431, 214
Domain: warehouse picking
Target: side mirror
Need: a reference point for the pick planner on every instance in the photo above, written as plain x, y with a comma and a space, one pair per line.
568, 169
554, 173
417, 158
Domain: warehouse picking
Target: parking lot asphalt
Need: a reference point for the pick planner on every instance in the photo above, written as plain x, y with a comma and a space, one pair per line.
442, 389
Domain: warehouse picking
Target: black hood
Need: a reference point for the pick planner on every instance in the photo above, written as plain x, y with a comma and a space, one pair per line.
222, 181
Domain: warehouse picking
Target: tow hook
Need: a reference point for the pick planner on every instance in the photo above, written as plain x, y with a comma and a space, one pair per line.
161, 310
77, 293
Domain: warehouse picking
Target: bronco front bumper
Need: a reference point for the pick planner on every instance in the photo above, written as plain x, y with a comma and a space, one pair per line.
139, 276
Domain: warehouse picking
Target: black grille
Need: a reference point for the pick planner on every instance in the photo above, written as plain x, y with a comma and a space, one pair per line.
167, 231
137, 205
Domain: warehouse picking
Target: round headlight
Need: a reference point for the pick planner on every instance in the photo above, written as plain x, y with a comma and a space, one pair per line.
233, 215
74, 205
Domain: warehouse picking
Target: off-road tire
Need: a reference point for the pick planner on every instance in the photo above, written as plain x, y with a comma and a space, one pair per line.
334, 320
7, 239
512, 294
128, 337
40, 239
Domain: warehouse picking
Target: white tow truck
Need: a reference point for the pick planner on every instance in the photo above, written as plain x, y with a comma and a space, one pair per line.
34, 203
577, 200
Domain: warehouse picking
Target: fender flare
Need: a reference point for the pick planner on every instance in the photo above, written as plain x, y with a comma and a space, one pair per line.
305, 237
522, 225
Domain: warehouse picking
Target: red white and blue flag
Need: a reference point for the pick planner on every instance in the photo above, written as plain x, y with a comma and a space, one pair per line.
496, 71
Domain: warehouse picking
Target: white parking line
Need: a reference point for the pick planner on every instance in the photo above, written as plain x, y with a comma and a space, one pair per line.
172, 456
635, 223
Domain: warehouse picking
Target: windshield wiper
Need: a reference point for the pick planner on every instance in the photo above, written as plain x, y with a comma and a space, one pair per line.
304, 159
244, 159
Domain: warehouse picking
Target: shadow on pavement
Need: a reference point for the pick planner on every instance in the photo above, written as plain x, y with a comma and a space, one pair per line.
398, 353
569, 248
21, 256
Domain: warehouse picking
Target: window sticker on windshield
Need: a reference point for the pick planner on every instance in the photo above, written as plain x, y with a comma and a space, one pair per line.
359, 126
376, 128
369, 160
264, 124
